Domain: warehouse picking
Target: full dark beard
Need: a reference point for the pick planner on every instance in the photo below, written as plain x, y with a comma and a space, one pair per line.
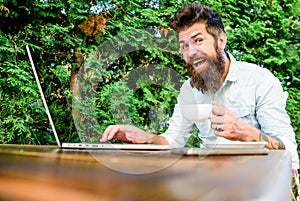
211, 78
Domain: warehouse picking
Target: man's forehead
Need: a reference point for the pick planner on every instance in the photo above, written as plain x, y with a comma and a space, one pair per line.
193, 31
190, 35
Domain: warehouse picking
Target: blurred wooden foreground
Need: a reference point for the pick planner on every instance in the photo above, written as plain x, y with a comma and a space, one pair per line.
49, 173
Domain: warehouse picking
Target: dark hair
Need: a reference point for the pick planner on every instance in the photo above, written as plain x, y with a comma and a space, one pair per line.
193, 13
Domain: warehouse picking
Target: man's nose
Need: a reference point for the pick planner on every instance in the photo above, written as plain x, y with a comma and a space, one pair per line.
193, 49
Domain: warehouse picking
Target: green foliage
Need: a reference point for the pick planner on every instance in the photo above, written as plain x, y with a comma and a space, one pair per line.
117, 62
143, 94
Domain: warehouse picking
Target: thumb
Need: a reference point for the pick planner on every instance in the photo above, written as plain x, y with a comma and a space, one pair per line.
129, 137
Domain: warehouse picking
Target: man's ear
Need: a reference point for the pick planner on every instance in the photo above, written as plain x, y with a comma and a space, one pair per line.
222, 41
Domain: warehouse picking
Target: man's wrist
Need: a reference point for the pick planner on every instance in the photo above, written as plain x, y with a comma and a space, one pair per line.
156, 139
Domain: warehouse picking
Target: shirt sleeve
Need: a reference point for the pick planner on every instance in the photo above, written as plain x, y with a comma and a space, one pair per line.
272, 116
180, 129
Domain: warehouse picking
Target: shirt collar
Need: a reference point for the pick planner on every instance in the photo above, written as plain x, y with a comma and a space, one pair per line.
232, 72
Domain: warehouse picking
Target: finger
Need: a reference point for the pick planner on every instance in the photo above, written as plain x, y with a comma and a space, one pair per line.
106, 133
217, 119
109, 133
218, 109
113, 132
219, 133
217, 127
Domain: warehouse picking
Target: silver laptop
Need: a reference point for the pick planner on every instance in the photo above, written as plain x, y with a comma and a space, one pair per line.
83, 145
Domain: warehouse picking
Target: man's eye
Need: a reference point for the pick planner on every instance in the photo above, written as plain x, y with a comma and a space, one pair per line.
199, 40
184, 46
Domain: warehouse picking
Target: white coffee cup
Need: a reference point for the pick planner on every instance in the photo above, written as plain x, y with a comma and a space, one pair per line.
196, 112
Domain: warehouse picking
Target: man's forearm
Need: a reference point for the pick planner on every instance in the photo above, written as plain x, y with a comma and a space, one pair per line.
273, 142
249, 133
259, 136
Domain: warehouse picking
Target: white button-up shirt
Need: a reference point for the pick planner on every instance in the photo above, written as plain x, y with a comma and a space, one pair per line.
253, 92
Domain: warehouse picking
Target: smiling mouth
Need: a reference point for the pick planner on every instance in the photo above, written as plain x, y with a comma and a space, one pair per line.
199, 64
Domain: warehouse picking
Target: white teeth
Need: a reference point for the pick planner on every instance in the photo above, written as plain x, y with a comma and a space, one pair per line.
198, 61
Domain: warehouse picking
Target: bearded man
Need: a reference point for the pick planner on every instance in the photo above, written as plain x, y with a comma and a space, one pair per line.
248, 102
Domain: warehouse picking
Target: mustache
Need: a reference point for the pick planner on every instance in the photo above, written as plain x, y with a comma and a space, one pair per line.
197, 58
200, 56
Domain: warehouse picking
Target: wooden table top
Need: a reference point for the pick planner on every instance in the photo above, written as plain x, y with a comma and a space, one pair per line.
50, 173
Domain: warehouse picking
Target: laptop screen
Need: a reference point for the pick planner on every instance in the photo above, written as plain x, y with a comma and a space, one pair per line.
58, 125
71, 117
